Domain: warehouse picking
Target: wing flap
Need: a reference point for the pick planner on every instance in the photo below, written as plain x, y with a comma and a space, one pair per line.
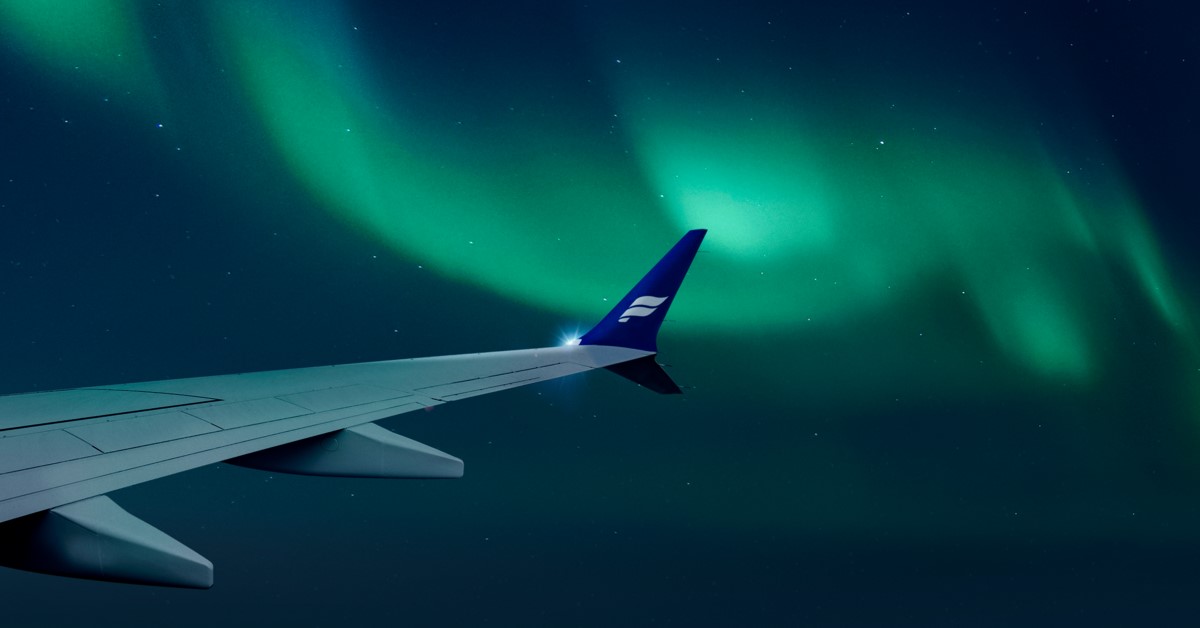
41, 448
63, 406
125, 433
342, 397
242, 413
483, 385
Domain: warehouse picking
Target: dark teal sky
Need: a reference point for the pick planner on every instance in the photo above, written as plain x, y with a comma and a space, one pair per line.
940, 342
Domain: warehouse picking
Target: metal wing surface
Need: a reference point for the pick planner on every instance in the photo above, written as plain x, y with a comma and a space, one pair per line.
65, 446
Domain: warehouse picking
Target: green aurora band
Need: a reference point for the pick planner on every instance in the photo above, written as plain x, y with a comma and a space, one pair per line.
818, 214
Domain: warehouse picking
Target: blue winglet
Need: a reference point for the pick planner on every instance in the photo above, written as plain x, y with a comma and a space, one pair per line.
634, 322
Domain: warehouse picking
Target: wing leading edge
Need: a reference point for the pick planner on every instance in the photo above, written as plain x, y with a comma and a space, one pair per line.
62, 451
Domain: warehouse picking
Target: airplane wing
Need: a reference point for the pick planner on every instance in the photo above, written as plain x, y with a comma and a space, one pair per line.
61, 452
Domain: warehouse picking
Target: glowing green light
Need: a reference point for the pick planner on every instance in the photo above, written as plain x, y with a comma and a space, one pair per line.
812, 217
98, 40
472, 224
816, 214
758, 196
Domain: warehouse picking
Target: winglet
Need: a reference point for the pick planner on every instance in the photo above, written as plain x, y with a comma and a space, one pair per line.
634, 322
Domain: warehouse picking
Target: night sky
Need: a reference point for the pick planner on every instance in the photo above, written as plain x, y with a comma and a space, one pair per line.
940, 349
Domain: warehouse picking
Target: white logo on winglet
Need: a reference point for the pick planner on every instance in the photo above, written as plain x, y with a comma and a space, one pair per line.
642, 306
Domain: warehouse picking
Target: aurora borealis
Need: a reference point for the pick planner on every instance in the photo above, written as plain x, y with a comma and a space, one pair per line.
940, 338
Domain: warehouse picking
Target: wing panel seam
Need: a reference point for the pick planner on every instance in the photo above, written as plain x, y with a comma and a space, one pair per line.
111, 414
